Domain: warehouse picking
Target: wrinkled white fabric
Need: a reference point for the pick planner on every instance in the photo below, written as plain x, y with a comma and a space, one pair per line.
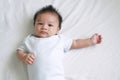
81, 19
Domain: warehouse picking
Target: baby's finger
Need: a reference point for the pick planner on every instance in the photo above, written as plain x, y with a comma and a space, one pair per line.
30, 59
32, 56
99, 39
29, 62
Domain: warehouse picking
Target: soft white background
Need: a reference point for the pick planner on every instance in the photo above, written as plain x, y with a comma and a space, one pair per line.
82, 18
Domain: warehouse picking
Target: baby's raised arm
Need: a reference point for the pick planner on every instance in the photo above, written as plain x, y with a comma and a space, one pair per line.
25, 57
81, 43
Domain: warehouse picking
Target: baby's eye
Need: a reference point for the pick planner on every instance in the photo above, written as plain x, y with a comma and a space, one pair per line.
40, 23
50, 25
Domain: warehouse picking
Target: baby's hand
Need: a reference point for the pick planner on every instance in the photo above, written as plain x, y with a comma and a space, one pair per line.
96, 39
29, 58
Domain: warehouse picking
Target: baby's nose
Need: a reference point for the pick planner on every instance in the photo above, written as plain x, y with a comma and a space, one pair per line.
45, 27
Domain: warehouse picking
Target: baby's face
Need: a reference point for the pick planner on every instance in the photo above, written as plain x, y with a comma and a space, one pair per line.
46, 25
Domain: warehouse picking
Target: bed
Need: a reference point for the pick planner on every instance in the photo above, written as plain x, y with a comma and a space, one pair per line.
81, 19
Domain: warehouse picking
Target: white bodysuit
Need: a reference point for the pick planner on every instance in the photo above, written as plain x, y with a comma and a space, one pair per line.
48, 64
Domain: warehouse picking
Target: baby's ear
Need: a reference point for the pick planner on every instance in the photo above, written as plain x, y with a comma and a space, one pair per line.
58, 30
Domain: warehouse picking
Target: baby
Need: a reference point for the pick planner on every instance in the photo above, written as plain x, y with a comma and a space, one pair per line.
43, 50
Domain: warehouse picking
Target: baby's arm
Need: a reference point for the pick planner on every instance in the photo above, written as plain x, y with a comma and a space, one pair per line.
25, 57
81, 43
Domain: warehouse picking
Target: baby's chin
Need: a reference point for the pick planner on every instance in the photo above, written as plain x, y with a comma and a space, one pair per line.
42, 36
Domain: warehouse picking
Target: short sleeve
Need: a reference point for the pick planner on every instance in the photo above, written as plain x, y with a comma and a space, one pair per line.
67, 42
23, 46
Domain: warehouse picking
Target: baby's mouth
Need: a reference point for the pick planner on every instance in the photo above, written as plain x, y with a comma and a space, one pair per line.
43, 32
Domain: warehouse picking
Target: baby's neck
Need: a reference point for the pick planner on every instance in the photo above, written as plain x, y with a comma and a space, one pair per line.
43, 37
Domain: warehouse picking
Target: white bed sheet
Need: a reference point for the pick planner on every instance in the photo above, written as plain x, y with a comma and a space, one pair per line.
82, 18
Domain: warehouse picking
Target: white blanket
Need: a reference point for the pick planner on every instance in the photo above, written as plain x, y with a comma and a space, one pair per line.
82, 18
